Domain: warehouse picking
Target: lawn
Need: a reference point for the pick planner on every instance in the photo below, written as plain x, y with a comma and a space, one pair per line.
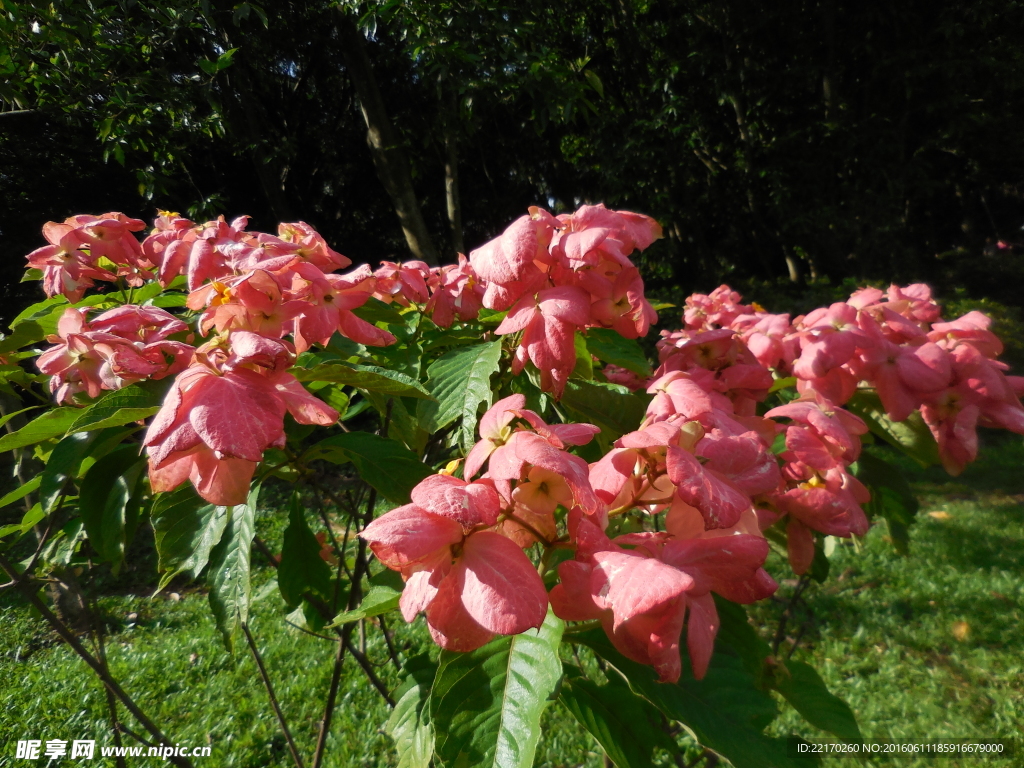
923, 648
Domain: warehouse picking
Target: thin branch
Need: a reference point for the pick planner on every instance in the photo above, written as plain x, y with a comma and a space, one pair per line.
787, 613
309, 632
68, 637
387, 641
368, 669
125, 729
273, 698
332, 696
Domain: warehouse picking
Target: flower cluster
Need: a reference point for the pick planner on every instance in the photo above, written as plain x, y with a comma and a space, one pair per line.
115, 349
88, 248
252, 289
895, 342
223, 412
558, 274
460, 544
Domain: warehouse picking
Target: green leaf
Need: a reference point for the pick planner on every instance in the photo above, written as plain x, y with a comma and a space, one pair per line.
623, 723
46, 314
785, 383
107, 501
123, 406
168, 300
29, 332
798, 682
376, 311
806, 691
611, 347
302, 571
594, 81
20, 492
409, 724
486, 705
891, 497
146, 292
366, 377
725, 711
41, 309
385, 464
228, 571
612, 407
584, 367
50, 424
186, 529
60, 467
736, 636
911, 436
383, 596
460, 382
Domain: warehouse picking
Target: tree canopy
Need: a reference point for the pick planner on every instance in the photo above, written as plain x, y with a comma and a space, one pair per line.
797, 140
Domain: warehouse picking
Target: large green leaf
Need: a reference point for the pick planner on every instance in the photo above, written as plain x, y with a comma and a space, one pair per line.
376, 311
302, 571
186, 530
624, 724
46, 313
108, 501
725, 711
736, 636
383, 595
61, 466
486, 705
460, 382
891, 497
50, 424
612, 407
798, 682
611, 347
228, 571
409, 724
26, 333
911, 436
385, 464
584, 368
367, 377
123, 406
803, 687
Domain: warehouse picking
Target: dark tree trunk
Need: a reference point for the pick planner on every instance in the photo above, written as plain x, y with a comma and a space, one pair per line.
388, 155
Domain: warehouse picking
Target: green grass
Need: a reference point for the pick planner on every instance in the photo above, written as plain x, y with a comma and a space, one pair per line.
929, 647
880, 631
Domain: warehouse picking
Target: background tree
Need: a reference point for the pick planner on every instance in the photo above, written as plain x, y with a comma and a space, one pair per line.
797, 142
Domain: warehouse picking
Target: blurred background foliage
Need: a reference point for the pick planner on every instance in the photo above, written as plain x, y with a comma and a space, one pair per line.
793, 149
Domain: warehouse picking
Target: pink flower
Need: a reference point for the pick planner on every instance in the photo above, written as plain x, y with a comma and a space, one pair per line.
404, 283
249, 302
120, 347
456, 291
313, 249
223, 412
69, 268
472, 584
548, 321
326, 304
621, 305
829, 338
642, 595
